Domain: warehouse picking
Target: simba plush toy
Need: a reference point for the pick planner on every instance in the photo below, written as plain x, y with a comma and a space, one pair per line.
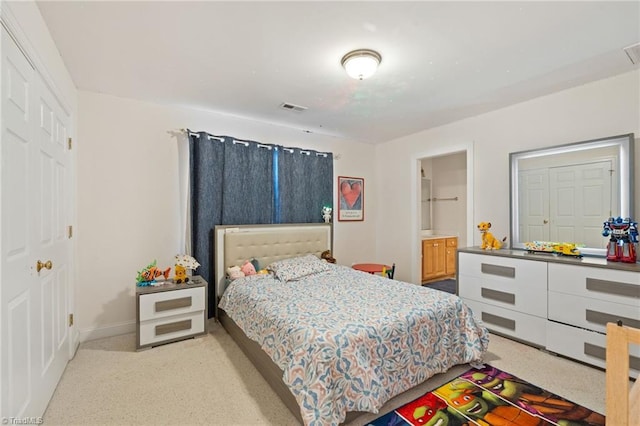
234, 272
488, 240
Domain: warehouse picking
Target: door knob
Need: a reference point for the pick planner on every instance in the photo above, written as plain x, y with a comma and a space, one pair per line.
545, 221
46, 265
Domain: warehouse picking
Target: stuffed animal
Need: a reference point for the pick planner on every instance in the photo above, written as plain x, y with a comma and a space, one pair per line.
326, 214
234, 272
489, 242
326, 255
247, 268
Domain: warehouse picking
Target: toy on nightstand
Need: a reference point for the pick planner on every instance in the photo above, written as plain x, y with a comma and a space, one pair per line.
624, 237
148, 275
489, 242
184, 262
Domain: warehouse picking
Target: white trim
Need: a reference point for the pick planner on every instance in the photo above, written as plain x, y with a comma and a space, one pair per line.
108, 331
414, 167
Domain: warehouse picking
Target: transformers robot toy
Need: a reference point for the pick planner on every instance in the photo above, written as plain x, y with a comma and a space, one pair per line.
623, 239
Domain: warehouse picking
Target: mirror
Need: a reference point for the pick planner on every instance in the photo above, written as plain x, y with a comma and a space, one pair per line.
425, 199
565, 193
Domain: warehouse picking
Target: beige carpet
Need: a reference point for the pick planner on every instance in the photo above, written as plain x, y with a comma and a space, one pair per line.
209, 381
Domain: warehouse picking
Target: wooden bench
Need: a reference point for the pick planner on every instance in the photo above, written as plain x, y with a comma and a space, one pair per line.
622, 405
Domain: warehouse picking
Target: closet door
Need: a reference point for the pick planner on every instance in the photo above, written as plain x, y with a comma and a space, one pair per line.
35, 250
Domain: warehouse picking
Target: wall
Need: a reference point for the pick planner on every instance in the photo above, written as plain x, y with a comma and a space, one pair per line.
450, 180
604, 108
128, 197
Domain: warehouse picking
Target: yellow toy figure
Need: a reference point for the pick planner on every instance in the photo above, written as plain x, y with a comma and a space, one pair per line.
184, 262
489, 242
181, 274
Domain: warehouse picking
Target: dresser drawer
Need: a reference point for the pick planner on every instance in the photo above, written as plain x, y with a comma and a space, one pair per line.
510, 323
528, 299
170, 303
505, 269
586, 346
170, 328
592, 314
508, 283
596, 283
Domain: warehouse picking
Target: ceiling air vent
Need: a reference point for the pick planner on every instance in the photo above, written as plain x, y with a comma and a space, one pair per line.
292, 107
633, 52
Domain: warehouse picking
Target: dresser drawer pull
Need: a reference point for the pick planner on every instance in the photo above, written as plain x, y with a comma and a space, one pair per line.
503, 271
603, 318
499, 321
172, 327
613, 287
167, 305
600, 352
500, 296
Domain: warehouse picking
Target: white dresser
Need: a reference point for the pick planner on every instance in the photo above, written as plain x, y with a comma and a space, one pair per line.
561, 304
170, 312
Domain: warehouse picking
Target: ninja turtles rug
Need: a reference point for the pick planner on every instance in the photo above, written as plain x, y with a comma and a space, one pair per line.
489, 396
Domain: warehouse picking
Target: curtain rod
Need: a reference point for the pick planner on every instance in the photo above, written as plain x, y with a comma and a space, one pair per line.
259, 145
443, 199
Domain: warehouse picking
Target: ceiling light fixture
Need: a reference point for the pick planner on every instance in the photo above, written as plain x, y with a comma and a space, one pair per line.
361, 63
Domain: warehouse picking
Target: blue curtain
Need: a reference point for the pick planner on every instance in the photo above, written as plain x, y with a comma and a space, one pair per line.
305, 179
235, 182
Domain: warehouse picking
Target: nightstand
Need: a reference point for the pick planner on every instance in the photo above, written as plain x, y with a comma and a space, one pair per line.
170, 312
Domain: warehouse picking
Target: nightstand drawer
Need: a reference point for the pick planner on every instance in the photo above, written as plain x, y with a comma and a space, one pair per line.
170, 303
169, 328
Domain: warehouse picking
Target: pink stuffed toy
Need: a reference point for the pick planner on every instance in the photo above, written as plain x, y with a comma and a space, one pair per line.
248, 268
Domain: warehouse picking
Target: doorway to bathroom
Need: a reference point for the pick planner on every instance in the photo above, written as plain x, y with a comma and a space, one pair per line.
444, 213
443, 191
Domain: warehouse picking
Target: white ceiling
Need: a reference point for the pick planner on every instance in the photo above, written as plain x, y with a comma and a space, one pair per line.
441, 61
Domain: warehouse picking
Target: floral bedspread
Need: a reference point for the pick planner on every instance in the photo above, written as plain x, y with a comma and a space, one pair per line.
350, 341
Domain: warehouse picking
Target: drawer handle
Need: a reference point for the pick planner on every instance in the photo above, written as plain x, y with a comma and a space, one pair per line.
503, 271
601, 353
603, 318
500, 296
172, 327
167, 305
499, 321
613, 287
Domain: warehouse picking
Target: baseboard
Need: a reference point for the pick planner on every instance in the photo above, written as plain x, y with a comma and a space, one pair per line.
108, 331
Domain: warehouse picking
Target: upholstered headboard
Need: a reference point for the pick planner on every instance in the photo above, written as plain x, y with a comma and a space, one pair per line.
236, 243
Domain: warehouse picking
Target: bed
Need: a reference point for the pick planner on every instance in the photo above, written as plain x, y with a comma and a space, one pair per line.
334, 342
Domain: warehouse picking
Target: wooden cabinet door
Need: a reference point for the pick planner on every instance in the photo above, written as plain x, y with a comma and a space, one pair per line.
433, 258
452, 246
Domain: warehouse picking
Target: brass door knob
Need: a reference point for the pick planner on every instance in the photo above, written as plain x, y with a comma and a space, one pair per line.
46, 265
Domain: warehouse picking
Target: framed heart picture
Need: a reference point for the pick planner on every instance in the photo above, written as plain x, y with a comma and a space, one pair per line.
350, 198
